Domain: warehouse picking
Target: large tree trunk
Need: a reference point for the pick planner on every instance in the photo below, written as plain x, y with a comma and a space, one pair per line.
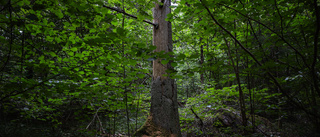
164, 116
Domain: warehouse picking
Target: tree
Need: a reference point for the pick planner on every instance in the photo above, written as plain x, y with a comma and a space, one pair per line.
164, 116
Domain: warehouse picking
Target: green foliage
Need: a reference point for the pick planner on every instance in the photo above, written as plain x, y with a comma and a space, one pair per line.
68, 61
65, 64
279, 34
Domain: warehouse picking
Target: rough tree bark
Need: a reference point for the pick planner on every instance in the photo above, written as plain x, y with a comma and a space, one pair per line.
164, 117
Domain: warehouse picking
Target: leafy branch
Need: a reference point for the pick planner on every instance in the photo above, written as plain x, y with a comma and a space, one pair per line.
297, 104
42, 82
273, 31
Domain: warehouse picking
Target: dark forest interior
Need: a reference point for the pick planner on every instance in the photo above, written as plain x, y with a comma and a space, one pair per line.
176, 68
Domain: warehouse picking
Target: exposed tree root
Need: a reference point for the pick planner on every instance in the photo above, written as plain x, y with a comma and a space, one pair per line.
149, 129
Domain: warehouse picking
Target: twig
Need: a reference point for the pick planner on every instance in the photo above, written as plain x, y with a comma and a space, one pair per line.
132, 16
94, 117
197, 117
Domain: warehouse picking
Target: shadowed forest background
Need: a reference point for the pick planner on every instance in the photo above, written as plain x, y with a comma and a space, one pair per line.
85, 67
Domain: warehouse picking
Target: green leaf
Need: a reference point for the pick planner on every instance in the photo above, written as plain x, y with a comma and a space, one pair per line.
81, 72
164, 62
115, 23
174, 64
52, 54
70, 53
65, 59
190, 74
58, 13
181, 57
121, 31
41, 59
74, 49
79, 55
141, 75
132, 62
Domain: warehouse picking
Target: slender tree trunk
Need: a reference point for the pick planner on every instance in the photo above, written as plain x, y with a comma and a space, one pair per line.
164, 117
201, 61
241, 96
